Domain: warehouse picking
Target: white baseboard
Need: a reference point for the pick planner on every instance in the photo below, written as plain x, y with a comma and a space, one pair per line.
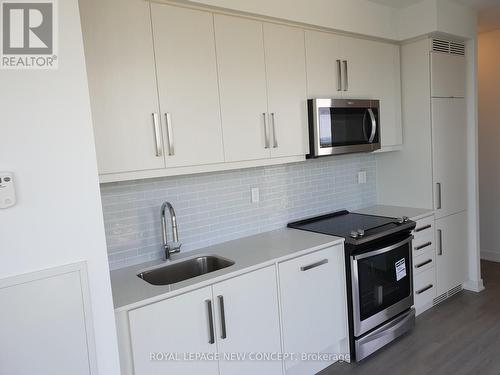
474, 285
493, 256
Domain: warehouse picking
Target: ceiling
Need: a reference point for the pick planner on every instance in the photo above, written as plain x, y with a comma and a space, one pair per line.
488, 10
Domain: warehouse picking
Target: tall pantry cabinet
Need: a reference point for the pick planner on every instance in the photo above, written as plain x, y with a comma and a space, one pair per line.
432, 165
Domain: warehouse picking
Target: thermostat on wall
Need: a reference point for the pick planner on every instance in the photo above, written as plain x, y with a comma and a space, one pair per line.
7, 191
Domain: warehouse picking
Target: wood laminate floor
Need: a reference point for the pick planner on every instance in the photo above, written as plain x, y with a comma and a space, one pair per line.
459, 337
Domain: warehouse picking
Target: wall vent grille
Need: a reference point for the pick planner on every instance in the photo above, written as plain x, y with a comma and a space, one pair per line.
446, 46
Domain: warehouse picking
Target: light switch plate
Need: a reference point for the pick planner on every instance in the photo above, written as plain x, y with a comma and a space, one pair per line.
362, 177
255, 195
7, 191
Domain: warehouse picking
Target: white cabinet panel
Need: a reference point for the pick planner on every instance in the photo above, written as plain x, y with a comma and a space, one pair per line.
447, 75
242, 83
314, 312
188, 88
45, 326
449, 138
286, 82
323, 56
122, 82
176, 325
250, 313
451, 248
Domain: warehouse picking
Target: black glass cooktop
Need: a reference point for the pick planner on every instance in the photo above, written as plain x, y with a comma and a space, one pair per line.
355, 228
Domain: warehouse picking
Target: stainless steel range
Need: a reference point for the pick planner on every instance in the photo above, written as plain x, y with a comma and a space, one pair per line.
379, 275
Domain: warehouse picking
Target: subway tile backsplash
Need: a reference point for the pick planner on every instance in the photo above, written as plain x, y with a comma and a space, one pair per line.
216, 207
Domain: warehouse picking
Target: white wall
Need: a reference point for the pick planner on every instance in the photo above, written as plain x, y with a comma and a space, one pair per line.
489, 138
47, 142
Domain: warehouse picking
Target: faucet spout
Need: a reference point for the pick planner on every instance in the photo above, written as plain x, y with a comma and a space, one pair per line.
175, 245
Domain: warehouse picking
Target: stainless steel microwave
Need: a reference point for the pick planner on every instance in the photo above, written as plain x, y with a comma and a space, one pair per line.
341, 126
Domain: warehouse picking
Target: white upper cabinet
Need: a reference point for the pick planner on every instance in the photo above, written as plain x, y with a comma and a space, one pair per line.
187, 83
447, 75
183, 324
247, 321
324, 62
121, 73
286, 83
449, 143
346, 67
242, 84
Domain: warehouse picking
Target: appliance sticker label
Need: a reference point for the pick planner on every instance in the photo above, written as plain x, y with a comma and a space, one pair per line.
400, 269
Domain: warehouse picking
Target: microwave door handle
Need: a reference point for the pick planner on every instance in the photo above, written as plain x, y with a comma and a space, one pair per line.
374, 125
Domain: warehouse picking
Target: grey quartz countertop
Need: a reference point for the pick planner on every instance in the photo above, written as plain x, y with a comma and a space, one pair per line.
249, 253
397, 211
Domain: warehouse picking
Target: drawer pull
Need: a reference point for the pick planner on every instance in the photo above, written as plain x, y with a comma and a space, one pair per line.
424, 289
314, 265
423, 228
423, 263
222, 317
420, 247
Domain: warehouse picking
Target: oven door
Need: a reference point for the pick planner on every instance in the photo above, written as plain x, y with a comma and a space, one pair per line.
382, 285
344, 126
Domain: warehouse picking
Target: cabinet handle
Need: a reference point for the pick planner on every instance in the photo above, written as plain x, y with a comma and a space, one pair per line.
440, 237
222, 317
438, 198
339, 76
157, 134
266, 131
424, 289
170, 134
314, 265
423, 263
211, 334
423, 228
346, 76
275, 140
420, 247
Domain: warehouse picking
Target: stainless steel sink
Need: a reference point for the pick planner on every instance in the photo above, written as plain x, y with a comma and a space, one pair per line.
184, 270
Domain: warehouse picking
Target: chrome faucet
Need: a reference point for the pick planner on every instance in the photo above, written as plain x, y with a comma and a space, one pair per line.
175, 245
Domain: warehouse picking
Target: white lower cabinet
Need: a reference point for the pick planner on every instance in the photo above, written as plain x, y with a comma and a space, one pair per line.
177, 325
238, 326
451, 252
248, 322
314, 308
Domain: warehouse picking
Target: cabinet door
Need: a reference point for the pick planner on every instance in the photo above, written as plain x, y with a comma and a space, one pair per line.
451, 258
248, 322
178, 325
121, 73
286, 82
187, 82
242, 82
447, 75
449, 135
313, 304
373, 72
323, 58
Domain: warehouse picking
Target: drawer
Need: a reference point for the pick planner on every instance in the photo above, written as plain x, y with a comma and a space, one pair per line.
424, 234
424, 261
424, 288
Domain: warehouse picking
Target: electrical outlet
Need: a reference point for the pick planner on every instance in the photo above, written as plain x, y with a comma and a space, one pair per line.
255, 195
362, 177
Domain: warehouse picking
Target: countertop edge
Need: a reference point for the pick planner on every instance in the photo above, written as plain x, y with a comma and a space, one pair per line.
226, 276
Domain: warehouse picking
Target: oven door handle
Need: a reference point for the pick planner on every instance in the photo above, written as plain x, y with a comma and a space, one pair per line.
383, 250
